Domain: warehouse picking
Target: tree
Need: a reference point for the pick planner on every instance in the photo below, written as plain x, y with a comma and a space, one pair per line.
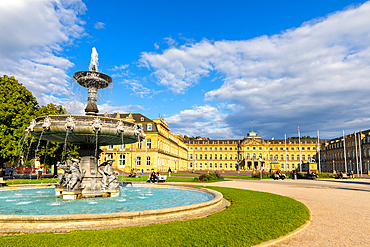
17, 108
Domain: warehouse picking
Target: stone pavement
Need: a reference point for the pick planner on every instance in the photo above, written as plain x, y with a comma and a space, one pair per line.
340, 209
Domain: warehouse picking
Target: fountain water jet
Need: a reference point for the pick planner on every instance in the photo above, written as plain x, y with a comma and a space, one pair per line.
89, 131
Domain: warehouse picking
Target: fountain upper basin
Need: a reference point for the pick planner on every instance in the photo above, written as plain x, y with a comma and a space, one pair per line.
83, 130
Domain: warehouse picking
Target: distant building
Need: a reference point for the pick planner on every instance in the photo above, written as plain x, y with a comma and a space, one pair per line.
357, 155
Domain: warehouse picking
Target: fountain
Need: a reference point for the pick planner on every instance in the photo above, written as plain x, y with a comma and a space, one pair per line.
85, 177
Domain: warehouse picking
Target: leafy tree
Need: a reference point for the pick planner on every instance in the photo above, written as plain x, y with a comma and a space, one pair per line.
17, 108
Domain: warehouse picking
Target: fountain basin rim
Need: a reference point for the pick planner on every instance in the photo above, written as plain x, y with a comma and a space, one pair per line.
218, 197
111, 131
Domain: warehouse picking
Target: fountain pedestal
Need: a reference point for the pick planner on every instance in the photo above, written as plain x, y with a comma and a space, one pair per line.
72, 195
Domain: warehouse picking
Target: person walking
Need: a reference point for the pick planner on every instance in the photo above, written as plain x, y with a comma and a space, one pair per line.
169, 171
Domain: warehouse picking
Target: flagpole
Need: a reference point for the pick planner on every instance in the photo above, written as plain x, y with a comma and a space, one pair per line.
345, 156
286, 160
318, 148
359, 150
358, 174
300, 154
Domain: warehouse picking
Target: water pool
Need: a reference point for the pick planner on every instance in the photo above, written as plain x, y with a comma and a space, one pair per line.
42, 201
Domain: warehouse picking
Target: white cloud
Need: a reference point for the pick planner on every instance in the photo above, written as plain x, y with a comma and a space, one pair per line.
156, 46
99, 25
121, 67
106, 107
206, 121
170, 41
32, 33
318, 72
139, 89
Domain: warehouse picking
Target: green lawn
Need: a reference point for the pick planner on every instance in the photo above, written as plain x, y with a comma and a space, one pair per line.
253, 217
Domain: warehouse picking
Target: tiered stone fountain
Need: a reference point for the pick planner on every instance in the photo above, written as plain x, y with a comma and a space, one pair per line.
85, 177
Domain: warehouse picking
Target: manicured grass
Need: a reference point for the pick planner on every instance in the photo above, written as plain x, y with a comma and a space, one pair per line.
253, 217
31, 181
144, 178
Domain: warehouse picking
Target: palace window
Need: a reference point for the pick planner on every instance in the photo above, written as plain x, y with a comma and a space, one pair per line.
313, 148
231, 149
308, 148
248, 156
148, 161
298, 157
236, 149
220, 156
231, 166
276, 149
121, 161
254, 156
196, 157
196, 148
139, 145
281, 148
281, 157
292, 166
309, 157
270, 156
302, 148
287, 157
235, 156
215, 165
292, 156
210, 156
149, 127
282, 166
138, 161
225, 156
149, 143
200, 165
210, 165
200, 148
216, 148
260, 155
205, 156
303, 157
247, 148
297, 148
260, 148
210, 149
122, 147
231, 156
110, 147
140, 126
254, 148
191, 156
191, 164
205, 149
292, 149
200, 156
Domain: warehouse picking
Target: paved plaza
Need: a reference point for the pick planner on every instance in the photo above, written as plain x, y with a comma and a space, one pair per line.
340, 209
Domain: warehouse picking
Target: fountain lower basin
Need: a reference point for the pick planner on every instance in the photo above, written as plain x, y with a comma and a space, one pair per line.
68, 222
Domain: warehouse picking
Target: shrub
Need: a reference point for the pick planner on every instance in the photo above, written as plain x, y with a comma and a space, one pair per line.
212, 176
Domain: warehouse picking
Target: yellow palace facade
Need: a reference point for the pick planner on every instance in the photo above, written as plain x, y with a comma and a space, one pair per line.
160, 151
253, 153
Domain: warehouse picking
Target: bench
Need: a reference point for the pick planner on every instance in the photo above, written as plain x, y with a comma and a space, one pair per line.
346, 175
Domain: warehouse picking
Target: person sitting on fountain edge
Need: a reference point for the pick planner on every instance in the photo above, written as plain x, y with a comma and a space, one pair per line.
152, 177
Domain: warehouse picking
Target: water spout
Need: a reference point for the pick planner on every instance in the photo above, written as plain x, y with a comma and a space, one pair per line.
94, 60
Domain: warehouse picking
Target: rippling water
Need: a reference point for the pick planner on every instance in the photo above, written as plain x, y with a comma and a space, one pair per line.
42, 201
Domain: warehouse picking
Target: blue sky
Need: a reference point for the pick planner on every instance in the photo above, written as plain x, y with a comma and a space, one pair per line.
208, 67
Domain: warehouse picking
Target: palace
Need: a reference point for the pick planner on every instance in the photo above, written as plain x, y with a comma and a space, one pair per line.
160, 150
163, 150
253, 153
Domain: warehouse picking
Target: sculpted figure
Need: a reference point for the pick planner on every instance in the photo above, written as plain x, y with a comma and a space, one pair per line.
76, 175
110, 178
64, 178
